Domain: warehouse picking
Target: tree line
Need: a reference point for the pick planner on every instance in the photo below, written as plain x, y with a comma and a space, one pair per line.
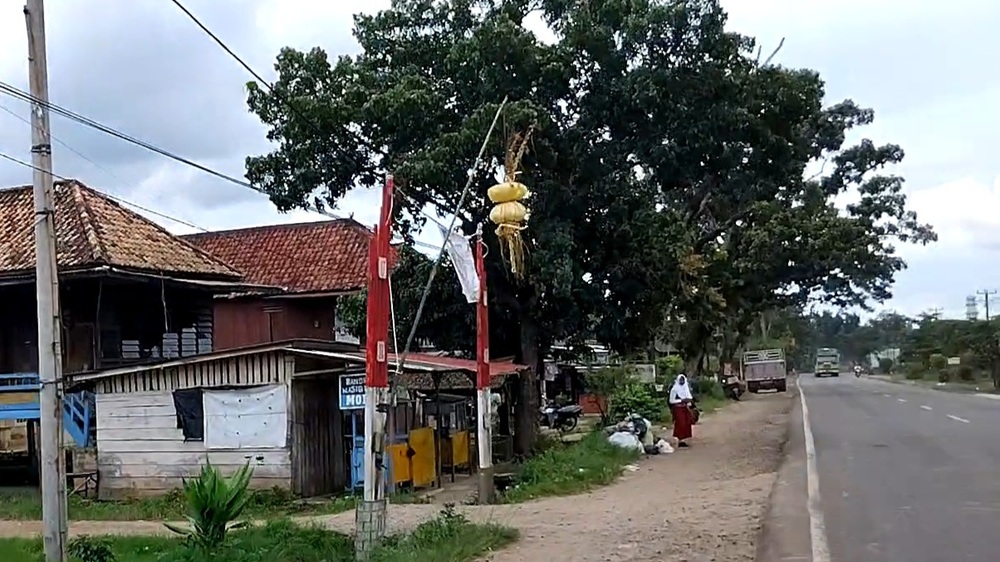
668, 163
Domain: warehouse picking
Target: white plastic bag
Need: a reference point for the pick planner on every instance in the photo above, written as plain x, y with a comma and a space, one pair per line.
625, 440
664, 447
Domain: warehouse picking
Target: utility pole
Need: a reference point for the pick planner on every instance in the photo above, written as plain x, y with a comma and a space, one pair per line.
370, 514
52, 463
986, 300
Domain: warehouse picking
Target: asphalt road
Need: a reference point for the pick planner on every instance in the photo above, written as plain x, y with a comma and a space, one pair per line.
905, 474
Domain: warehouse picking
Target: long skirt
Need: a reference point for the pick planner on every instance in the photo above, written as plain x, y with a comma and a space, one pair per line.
682, 421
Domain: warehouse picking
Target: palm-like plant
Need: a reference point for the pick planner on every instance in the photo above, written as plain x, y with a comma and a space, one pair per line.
214, 504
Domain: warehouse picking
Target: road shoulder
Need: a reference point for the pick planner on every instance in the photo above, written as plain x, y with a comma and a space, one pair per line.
784, 533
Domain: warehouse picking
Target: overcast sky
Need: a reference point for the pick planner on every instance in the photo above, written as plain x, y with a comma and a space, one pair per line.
144, 68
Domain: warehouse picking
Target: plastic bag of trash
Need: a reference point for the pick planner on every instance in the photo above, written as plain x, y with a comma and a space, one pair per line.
664, 447
625, 440
647, 435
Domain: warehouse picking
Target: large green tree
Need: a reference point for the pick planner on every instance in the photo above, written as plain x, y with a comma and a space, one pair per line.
668, 162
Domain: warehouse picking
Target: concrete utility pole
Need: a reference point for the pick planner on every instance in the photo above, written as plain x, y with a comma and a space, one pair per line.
986, 300
52, 464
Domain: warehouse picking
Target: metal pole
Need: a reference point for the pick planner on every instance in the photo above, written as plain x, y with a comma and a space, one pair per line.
53, 466
484, 434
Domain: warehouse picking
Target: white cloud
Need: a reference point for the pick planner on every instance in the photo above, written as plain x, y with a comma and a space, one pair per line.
921, 66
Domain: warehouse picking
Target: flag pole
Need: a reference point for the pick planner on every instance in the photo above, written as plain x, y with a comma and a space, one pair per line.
484, 434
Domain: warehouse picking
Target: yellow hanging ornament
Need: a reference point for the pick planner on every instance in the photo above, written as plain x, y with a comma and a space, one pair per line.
509, 213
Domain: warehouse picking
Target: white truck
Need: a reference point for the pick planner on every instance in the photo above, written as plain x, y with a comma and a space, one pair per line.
763, 369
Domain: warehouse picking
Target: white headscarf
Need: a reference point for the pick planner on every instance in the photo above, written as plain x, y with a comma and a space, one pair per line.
680, 391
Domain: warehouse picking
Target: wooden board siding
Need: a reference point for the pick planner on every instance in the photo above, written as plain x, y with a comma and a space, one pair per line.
318, 458
141, 452
246, 370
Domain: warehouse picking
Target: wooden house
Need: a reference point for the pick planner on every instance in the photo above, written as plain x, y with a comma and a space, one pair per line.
130, 291
289, 409
310, 265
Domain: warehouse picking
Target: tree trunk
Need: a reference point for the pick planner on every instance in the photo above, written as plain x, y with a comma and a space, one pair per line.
526, 406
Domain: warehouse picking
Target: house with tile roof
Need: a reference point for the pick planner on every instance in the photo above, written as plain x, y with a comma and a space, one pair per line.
306, 265
131, 292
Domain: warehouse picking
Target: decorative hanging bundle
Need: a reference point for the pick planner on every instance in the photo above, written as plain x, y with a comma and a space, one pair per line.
509, 212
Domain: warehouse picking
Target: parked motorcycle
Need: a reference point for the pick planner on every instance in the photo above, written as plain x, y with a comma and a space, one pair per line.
560, 418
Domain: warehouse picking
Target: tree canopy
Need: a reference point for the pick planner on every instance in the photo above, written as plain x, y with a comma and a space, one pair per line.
668, 163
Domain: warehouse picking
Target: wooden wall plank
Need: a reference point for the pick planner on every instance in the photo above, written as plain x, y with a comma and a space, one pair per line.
142, 452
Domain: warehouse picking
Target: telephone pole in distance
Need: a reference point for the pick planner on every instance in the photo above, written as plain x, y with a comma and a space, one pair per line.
986, 300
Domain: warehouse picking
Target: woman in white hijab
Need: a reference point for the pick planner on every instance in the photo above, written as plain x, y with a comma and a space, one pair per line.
679, 401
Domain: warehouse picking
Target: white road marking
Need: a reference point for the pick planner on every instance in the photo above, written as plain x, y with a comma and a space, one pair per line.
928, 408
887, 395
817, 527
958, 419
901, 399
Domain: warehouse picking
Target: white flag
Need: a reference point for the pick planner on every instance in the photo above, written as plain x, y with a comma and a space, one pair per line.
460, 253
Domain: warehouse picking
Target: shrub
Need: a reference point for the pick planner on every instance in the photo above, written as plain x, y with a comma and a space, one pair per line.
570, 468
944, 375
214, 504
937, 361
885, 365
966, 372
667, 368
91, 549
914, 371
971, 359
606, 383
706, 388
635, 398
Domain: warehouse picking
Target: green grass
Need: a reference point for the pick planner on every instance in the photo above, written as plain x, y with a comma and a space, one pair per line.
564, 469
447, 538
25, 504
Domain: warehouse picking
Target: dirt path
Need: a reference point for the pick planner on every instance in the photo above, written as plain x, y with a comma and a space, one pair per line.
697, 505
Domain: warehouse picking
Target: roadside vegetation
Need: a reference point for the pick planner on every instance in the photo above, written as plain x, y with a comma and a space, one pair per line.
564, 469
447, 538
924, 348
218, 527
559, 468
25, 504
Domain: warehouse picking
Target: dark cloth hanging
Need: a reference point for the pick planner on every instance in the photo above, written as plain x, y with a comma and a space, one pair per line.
190, 413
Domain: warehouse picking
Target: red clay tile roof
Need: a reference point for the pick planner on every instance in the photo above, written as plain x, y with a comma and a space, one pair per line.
94, 231
313, 257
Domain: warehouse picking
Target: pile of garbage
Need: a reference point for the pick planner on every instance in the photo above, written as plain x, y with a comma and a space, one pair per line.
635, 432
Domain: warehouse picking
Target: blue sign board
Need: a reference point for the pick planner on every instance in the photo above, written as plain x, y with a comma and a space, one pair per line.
352, 392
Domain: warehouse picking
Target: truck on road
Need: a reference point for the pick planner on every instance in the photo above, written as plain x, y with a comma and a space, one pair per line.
827, 362
765, 368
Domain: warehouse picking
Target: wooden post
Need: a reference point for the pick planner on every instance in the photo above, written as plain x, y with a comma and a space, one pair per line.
484, 435
53, 470
371, 512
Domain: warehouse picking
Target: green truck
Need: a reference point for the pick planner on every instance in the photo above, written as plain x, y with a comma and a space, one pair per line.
827, 362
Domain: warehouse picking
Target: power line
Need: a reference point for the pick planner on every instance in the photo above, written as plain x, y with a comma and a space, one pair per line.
65, 145
114, 198
154, 212
86, 121
291, 107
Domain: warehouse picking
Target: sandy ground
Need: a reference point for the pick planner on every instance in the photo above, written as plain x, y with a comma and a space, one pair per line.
699, 504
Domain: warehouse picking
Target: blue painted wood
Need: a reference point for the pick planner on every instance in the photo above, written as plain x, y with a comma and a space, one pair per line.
79, 410
357, 454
